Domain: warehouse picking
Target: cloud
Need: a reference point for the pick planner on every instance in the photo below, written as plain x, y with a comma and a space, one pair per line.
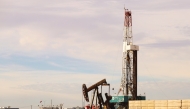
48, 49
64, 87
169, 44
62, 35
164, 90
34, 86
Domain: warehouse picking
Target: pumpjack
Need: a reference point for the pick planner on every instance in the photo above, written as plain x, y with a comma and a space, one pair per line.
99, 97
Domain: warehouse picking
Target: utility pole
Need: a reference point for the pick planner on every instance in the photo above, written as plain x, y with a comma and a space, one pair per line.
44, 103
31, 106
51, 102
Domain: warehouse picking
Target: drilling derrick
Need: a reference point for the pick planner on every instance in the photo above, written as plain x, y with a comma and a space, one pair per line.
128, 85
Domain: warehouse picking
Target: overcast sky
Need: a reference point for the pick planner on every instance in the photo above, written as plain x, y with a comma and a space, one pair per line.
48, 49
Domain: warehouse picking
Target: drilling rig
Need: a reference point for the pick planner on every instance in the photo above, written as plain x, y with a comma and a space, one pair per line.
128, 85
129, 60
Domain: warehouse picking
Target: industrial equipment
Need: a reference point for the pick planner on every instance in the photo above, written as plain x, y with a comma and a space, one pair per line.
99, 97
128, 85
129, 65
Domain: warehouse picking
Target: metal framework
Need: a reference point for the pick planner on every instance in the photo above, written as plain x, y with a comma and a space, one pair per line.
129, 60
99, 97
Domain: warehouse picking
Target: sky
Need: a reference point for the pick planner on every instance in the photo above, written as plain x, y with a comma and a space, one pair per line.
48, 49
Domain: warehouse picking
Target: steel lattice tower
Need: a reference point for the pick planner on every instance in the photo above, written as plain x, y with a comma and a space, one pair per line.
129, 60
